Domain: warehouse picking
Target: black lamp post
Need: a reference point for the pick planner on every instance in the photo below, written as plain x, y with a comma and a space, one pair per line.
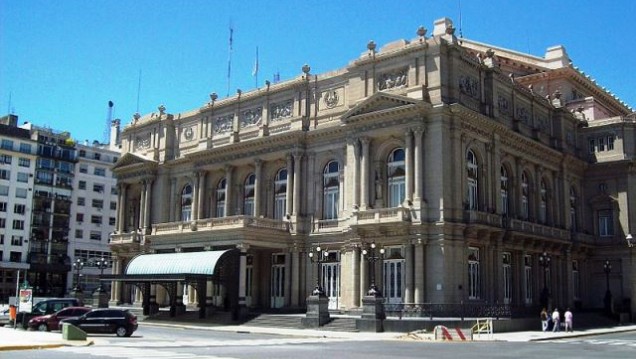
101, 263
77, 266
607, 268
372, 257
630, 240
318, 256
544, 261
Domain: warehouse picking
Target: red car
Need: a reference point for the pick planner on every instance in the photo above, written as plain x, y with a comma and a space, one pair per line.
52, 321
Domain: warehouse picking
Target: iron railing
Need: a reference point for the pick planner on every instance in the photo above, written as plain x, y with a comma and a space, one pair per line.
448, 310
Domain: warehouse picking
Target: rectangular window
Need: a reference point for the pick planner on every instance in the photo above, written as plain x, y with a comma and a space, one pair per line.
16, 240
601, 144
25, 147
83, 168
3, 206
21, 192
100, 172
82, 185
474, 278
19, 208
79, 234
81, 201
97, 156
4, 190
15, 257
528, 278
5, 175
605, 223
82, 153
98, 188
23, 177
7, 145
592, 145
96, 219
610, 142
96, 235
3, 222
44, 177
18, 224
24, 162
5, 159
79, 217
111, 221
507, 277
98, 203
113, 205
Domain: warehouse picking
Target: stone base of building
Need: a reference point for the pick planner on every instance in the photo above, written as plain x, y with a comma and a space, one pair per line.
373, 315
317, 311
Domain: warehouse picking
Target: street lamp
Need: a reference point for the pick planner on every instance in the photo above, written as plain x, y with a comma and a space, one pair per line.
630, 240
101, 263
544, 261
318, 257
372, 257
607, 267
77, 266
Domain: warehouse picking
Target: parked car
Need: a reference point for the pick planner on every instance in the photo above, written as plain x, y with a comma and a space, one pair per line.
45, 307
4, 315
52, 321
113, 321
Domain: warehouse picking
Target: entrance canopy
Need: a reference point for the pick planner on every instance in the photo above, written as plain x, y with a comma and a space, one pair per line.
182, 266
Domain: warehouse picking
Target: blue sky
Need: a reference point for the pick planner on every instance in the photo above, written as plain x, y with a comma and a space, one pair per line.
62, 61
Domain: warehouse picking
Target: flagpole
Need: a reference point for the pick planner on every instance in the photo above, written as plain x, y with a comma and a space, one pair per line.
229, 60
255, 72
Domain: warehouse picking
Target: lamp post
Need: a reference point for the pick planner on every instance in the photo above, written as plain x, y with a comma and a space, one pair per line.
101, 263
77, 266
630, 240
318, 256
372, 257
607, 268
544, 261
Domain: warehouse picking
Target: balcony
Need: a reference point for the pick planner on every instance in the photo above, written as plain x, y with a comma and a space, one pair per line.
329, 225
538, 230
381, 215
125, 238
223, 223
484, 218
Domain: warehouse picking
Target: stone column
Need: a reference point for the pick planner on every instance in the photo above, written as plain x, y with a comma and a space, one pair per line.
121, 208
408, 267
195, 197
171, 201
419, 165
142, 206
364, 275
297, 179
290, 183
228, 190
147, 199
242, 306
418, 262
364, 174
295, 277
408, 167
353, 160
115, 286
258, 174
355, 254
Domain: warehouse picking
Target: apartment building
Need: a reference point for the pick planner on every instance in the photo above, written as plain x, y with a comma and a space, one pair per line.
437, 169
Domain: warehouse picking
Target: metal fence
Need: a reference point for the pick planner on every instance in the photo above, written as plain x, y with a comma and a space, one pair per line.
456, 310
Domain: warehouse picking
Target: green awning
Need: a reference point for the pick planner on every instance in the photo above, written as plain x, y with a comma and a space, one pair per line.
202, 263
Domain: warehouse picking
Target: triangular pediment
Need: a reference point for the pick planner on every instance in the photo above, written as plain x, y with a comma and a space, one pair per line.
132, 159
381, 102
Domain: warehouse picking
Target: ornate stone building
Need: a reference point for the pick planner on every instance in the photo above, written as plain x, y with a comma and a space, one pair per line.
483, 174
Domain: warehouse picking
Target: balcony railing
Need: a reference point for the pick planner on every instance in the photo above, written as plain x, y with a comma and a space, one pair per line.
381, 215
209, 224
486, 218
448, 310
538, 229
329, 225
125, 238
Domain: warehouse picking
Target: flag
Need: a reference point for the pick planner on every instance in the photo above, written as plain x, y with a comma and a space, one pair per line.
255, 70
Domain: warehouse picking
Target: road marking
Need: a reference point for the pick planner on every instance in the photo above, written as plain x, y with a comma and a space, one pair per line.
136, 353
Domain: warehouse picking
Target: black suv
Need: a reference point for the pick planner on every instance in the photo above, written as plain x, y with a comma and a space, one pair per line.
117, 321
48, 306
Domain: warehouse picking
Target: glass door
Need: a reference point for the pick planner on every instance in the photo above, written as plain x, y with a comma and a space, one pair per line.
331, 283
393, 280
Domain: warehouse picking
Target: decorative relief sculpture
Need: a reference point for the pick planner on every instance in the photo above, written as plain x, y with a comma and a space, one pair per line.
468, 85
522, 115
188, 133
142, 142
393, 79
223, 124
281, 110
251, 117
331, 98
503, 105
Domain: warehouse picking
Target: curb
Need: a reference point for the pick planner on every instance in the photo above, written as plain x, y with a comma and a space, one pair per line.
581, 334
44, 346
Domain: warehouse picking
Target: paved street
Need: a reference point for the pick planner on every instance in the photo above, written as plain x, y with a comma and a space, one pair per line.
171, 342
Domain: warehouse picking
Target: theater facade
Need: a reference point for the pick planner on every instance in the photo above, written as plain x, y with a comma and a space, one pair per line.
478, 174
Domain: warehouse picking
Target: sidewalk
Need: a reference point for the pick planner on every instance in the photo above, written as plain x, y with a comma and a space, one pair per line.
18, 339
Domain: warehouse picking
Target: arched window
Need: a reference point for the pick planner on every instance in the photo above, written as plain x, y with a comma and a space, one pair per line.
186, 203
525, 196
248, 195
396, 178
543, 206
220, 198
280, 194
504, 191
472, 169
331, 190
573, 204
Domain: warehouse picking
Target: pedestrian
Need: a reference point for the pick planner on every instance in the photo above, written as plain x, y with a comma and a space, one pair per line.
556, 319
568, 320
544, 320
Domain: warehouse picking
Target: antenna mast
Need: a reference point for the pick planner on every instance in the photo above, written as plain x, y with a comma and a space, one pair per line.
109, 120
